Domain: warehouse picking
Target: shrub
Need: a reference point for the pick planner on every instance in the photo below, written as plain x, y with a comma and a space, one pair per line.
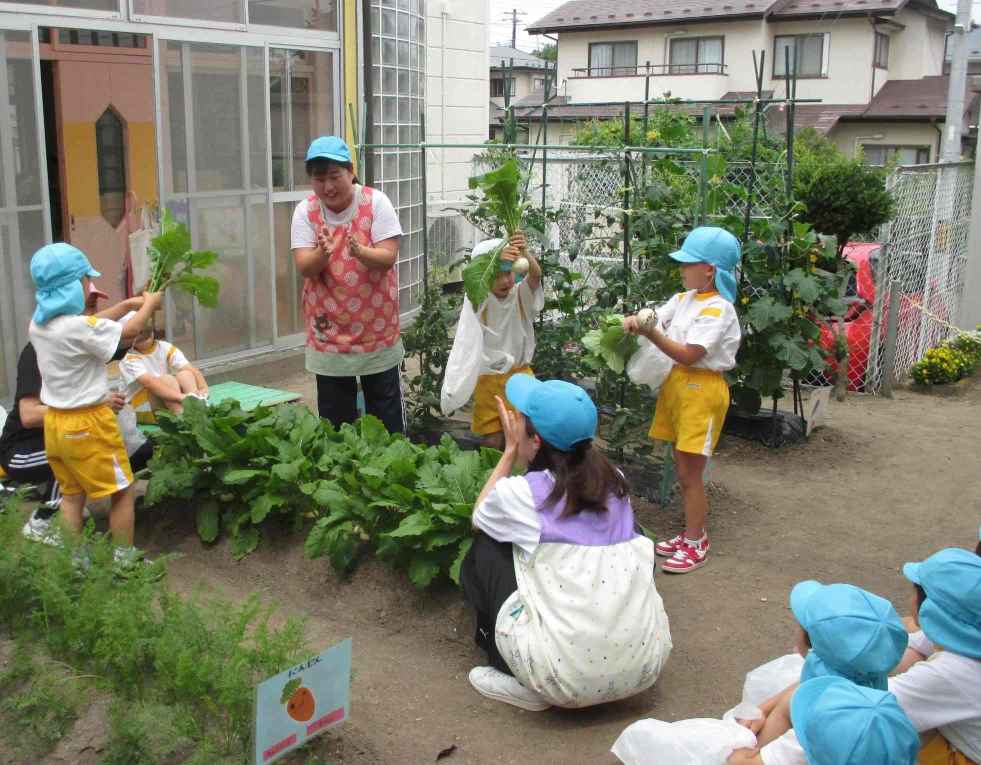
940, 365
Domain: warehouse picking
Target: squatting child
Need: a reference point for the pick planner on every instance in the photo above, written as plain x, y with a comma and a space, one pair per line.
81, 436
699, 331
494, 341
158, 376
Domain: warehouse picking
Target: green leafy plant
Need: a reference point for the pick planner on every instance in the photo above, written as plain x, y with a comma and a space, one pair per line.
141, 642
174, 264
501, 203
952, 360
368, 491
609, 344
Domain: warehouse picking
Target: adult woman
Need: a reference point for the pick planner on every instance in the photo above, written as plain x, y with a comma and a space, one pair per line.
562, 583
345, 240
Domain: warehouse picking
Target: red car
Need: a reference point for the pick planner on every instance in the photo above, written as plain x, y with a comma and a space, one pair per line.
858, 320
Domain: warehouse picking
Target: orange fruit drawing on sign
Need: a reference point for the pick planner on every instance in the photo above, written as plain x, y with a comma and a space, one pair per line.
299, 701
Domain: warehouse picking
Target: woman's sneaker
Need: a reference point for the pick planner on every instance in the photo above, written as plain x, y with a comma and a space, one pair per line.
669, 547
496, 685
691, 554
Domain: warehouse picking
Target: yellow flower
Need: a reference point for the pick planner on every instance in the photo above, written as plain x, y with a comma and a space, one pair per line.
744, 300
651, 135
814, 258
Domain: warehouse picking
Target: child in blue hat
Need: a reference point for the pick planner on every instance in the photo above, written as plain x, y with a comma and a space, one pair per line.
843, 631
699, 331
81, 435
560, 579
494, 340
840, 723
942, 693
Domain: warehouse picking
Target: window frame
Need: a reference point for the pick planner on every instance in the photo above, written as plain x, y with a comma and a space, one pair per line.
720, 65
613, 70
890, 150
881, 43
504, 89
822, 69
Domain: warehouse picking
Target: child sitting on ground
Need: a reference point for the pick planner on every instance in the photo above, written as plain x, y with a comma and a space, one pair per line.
699, 331
158, 376
841, 723
494, 341
81, 436
941, 693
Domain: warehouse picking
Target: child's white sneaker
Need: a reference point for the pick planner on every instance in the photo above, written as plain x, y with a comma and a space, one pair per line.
43, 528
496, 685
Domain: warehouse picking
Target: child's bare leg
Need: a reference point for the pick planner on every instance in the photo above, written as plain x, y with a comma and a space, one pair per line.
122, 517
174, 406
186, 381
71, 512
690, 468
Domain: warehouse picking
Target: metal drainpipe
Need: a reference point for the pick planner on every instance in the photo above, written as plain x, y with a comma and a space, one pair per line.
442, 105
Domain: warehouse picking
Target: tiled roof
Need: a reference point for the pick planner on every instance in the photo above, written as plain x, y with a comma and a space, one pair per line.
593, 14
906, 99
618, 13
498, 53
821, 117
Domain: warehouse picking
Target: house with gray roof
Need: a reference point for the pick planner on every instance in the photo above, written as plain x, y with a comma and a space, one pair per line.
877, 66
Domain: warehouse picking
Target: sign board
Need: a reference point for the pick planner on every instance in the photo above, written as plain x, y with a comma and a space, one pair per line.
302, 702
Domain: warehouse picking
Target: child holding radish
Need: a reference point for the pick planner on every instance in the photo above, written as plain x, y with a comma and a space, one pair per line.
698, 330
496, 339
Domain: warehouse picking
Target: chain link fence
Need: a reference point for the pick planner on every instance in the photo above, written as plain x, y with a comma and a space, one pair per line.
920, 267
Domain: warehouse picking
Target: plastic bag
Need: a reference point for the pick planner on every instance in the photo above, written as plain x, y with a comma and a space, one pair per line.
765, 682
463, 365
649, 365
139, 246
133, 437
687, 742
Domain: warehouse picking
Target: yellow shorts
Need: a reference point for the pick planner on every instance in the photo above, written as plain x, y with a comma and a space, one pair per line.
486, 420
691, 408
938, 751
86, 451
143, 406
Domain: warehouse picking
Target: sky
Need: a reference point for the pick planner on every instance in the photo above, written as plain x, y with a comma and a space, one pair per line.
500, 16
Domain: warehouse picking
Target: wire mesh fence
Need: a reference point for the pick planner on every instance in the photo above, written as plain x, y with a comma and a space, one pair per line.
922, 266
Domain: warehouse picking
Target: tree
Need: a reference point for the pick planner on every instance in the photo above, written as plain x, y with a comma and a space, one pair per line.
841, 196
549, 52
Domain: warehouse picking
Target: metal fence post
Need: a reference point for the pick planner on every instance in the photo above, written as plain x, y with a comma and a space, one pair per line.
888, 372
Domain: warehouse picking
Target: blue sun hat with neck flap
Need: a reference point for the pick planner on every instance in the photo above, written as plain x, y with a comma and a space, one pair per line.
854, 634
840, 723
57, 270
717, 247
951, 614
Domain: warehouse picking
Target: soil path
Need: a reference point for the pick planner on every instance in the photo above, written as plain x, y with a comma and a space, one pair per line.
884, 482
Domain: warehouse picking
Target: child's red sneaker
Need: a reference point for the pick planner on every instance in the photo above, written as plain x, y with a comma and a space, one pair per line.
691, 554
669, 547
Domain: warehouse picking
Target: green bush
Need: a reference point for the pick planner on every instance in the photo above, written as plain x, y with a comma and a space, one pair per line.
942, 365
140, 641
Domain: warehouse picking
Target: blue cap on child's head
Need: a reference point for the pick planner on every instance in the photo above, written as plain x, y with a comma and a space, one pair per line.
57, 270
717, 247
951, 614
563, 414
329, 147
854, 632
840, 723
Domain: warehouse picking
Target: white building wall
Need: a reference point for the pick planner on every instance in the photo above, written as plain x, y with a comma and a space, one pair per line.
457, 91
849, 50
850, 136
918, 50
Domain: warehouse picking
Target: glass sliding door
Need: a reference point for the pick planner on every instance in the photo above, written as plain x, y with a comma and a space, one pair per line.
23, 196
302, 98
215, 168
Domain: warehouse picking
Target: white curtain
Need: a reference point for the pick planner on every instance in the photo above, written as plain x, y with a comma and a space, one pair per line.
710, 54
601, 58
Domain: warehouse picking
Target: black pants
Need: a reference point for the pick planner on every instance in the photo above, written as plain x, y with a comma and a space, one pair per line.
488, 579
337, 398
29, 464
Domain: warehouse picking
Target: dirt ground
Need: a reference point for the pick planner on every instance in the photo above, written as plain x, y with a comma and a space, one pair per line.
884, 482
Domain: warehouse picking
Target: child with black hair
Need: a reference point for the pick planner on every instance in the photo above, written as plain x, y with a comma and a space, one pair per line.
562, 583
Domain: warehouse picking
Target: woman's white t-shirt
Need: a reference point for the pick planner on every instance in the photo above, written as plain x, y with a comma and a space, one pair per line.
385, 221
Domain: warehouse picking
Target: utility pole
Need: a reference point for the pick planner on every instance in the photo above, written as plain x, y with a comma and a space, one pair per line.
953, 124
513, 18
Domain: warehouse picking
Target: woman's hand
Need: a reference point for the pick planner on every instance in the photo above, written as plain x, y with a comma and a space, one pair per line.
513, 425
